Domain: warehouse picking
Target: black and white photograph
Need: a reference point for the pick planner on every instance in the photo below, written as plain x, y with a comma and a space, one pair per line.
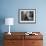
27, 15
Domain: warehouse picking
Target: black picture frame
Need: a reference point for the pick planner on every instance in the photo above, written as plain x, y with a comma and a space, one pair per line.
27, 16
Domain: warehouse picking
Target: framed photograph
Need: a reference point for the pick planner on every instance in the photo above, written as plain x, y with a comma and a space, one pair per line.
27, 15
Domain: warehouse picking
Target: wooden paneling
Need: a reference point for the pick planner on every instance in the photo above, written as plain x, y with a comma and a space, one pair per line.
13, 43
20, 39
33, 43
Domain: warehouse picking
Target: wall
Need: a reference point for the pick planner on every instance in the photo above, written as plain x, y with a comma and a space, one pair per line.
9, 8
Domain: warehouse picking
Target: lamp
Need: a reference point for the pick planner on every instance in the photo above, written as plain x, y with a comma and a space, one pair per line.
9, 21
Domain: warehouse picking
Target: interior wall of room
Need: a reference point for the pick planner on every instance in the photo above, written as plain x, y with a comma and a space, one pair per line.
9, 8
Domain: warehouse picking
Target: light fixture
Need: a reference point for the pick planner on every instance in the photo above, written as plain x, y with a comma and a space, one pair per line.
9, 21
